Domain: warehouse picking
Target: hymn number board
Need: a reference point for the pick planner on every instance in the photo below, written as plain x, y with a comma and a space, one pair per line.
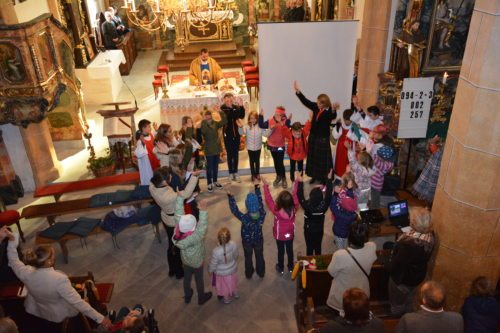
416, 97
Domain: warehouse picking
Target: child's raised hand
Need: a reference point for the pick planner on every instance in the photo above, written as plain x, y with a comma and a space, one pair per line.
290, 116
202, 205
296, 86
335, 106
155, 126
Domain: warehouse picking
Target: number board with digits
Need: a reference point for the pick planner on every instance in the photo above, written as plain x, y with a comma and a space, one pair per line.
416, 97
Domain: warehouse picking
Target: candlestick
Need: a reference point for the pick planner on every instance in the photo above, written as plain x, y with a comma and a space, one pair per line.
445, 77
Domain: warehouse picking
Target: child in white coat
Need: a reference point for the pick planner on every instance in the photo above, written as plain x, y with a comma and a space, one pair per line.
141, 152
223, 265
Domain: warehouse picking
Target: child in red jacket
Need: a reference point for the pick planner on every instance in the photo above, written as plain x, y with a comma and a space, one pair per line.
297, 147
284, 211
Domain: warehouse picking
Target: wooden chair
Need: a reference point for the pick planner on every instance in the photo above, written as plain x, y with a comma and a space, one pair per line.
10, 217
157, 84
253, 84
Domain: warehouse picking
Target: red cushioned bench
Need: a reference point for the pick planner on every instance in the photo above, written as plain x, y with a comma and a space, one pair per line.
58, 189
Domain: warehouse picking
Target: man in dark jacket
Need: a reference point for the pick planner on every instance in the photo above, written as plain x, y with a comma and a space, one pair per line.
231, 135
297, 13
110, 33
431, 318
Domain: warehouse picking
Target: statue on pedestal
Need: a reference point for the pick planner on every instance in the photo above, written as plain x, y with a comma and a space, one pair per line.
412, 40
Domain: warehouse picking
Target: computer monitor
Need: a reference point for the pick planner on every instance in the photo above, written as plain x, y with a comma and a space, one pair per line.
398, 208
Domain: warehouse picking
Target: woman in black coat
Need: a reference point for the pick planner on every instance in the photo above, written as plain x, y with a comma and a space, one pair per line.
319, 154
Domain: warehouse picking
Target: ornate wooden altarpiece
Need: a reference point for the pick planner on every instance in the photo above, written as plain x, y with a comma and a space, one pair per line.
221, 31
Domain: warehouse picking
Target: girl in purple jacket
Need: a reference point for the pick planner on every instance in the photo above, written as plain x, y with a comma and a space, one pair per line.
284, 211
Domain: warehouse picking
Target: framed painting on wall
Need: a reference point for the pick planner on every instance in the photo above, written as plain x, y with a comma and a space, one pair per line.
448, 35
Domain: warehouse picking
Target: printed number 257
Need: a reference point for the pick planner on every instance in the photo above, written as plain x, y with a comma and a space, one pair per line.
416, 114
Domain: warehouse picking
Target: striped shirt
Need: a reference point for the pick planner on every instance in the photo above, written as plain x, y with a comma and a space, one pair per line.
381, 168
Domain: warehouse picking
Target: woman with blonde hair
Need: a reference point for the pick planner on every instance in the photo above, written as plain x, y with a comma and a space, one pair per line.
319, 153
223, 265
51, 298
408, 264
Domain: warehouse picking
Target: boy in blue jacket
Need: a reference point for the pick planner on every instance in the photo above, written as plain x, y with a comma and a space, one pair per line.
251, 230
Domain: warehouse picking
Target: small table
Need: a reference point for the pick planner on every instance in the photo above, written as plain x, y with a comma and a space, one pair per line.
186, 100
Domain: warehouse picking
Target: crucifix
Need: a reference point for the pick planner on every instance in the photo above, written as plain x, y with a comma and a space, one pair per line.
203, 29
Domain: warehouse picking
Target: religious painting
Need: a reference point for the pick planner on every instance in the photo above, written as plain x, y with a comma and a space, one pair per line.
264, 12
46, 53
11, 64
67, 59
448, 35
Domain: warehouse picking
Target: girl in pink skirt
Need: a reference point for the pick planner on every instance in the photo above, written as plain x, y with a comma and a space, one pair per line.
223, 265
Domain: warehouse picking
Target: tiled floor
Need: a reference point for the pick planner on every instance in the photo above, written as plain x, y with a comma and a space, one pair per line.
139, 268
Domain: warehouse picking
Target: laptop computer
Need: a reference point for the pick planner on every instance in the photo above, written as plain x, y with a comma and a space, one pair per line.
399, 214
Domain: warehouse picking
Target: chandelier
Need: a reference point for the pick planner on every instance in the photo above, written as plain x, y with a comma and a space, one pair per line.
153, 15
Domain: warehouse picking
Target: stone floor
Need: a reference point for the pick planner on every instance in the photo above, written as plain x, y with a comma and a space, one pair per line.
139, 268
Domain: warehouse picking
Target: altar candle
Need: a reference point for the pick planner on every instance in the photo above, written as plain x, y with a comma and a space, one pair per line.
125, 4
445, 77
184, 4
211, 3
133, 5
157, 5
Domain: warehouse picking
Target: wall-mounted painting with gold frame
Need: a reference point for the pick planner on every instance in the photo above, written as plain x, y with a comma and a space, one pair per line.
46, 53
12, 67
448, 35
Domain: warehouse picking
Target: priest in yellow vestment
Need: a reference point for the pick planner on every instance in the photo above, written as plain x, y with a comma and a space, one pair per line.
204, 70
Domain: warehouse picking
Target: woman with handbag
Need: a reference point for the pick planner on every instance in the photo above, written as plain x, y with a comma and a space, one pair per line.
351, 267
51, 298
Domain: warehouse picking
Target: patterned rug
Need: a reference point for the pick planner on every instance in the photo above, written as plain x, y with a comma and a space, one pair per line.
178, 78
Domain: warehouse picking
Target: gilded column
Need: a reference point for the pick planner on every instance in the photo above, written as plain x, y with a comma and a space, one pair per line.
372, 48
466, 210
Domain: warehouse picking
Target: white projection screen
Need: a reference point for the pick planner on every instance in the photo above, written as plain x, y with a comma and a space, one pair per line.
319, 55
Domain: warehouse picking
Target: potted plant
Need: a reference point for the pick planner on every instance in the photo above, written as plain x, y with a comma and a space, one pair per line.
102, 166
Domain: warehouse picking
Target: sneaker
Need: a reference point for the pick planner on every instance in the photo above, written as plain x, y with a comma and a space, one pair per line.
284, 184
205, 298
236, 178
187, 298
227, 301
236, 296
210, 188
230, 178
279, 270
277, 181
218, 186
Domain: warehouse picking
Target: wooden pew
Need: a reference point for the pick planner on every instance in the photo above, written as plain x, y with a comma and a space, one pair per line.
54, 209
58, 189
97, 230
311, 311
14, 305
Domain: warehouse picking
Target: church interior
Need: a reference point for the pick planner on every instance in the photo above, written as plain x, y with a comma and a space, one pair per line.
130, 128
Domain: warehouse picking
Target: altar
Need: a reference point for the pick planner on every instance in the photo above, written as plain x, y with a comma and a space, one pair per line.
186, 100
101, 80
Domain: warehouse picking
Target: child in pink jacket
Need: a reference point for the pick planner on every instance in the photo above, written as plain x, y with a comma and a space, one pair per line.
284, 211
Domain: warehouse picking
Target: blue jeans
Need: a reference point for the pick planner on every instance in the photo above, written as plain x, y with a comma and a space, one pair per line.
212, 169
